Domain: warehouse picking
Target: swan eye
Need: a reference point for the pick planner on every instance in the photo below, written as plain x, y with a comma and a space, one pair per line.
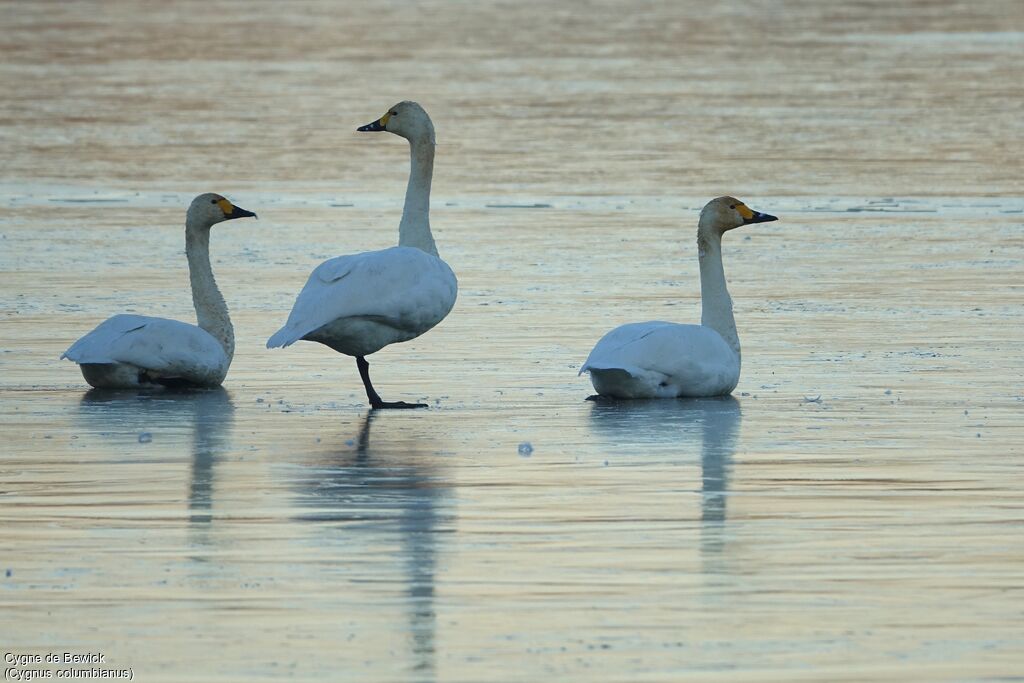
213, 201
392, 113
732, 206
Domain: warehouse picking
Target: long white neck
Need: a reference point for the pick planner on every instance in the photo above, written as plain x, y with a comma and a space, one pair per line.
414, 230
211, 310
716, 306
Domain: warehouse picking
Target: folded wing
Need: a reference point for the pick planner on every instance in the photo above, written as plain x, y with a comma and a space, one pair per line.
167, 347
405, 287
690, 356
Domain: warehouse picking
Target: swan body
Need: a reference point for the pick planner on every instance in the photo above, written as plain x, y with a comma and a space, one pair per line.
136, 351
662, 360
659, 359
360, 303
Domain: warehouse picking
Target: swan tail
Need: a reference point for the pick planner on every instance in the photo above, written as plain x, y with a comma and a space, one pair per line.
282, 338
631, 370
619, 373
76, 353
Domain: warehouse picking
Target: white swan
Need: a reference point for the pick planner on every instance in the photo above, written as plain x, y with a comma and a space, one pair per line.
359, 304
132, 351
667, 360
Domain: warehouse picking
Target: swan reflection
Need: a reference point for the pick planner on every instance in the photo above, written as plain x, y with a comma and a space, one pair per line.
680, 427
206, 415
372, 492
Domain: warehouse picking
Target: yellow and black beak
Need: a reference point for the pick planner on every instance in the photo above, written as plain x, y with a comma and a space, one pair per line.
759, 217
231, 211
750, 216
239, 212
377, 126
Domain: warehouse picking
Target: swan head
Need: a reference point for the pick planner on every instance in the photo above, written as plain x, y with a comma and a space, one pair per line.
407, 119
726, 213
208, 209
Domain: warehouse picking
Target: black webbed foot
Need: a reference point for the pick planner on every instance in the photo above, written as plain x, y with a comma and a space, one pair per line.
378, 405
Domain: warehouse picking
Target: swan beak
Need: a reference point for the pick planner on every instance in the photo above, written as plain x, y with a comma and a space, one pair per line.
758, 217
239, 212
371, 127
377, 126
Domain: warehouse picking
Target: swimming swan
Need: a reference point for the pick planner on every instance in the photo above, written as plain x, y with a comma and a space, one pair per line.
359, 304
667, 360
133, 351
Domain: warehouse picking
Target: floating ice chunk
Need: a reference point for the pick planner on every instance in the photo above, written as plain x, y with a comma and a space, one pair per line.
145, 437
525, 449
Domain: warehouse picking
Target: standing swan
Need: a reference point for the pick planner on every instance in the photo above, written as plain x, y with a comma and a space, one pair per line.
137, 351
359, 304
667, 360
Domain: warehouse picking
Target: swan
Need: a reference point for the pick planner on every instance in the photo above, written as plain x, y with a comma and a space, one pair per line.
667, 360
137, 351
360, 303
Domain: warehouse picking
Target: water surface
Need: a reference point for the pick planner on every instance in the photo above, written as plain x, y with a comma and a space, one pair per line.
852, 513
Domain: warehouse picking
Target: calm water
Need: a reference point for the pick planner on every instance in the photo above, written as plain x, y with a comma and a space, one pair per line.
852, 513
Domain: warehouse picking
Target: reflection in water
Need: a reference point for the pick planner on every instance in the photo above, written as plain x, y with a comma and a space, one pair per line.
711, 423
207, 414
383, 490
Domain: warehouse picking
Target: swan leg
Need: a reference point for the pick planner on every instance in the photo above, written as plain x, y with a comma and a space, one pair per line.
371, 393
